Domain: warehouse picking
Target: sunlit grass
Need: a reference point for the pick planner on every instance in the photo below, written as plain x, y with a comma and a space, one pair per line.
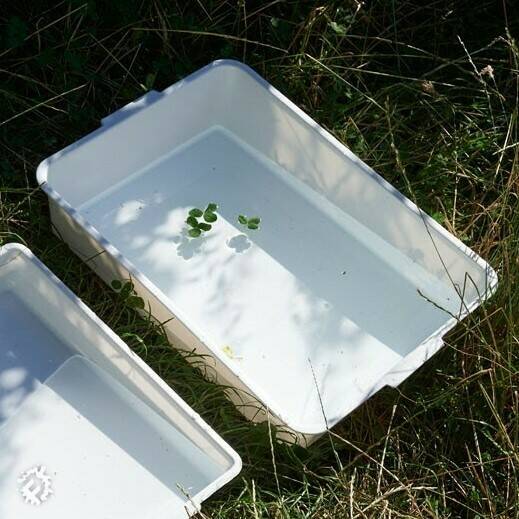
426, 94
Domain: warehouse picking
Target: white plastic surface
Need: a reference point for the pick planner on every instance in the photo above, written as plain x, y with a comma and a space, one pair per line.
115, 443
345, 287
107, 453
29, 353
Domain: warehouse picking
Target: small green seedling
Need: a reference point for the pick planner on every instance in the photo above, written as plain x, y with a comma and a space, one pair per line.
197, 227
251, 223
127, 292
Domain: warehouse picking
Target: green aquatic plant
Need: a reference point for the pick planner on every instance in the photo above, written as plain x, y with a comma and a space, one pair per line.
251, 223
198, 227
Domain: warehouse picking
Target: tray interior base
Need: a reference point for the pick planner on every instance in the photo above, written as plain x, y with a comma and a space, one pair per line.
310, 307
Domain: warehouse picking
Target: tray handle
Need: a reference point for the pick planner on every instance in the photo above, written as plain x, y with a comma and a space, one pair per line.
131, 108
410, 363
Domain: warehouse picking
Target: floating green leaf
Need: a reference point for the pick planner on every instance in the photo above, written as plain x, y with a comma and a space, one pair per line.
192, 221
251, 223
198, 227
210, 217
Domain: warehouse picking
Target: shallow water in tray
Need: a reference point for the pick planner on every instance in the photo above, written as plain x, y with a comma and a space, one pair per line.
29, 353
308, 298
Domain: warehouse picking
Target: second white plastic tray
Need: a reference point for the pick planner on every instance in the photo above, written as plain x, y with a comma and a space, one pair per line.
86, 428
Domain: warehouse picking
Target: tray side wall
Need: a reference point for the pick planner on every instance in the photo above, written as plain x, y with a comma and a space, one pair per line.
103, 158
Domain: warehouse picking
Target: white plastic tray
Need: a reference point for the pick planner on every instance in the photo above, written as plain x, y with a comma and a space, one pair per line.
346, 287
114, 440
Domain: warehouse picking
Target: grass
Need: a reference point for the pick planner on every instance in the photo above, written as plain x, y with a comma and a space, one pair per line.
427, 94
